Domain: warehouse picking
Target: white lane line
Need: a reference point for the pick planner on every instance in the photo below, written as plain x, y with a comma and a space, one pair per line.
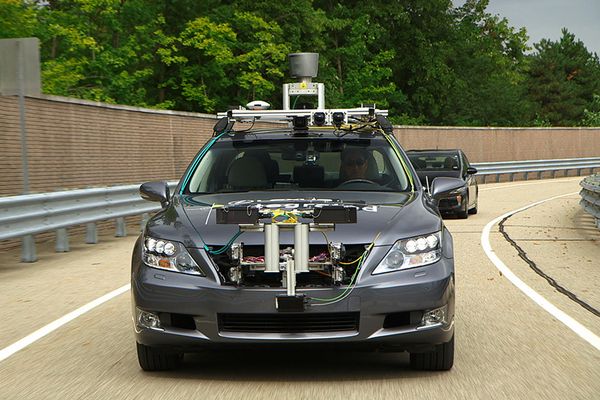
532, 183
572, 324
40, 333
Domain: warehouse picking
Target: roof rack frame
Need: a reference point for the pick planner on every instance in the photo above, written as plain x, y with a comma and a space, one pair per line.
289, 115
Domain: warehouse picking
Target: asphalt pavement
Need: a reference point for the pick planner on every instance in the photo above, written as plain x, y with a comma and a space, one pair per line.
507, 347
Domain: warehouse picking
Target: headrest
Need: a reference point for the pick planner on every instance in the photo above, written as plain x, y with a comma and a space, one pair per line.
450, 163
247, 173
309, 175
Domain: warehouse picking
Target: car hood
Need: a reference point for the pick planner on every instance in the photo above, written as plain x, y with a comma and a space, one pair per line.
387, 216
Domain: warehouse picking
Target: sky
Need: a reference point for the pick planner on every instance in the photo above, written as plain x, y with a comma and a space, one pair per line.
546, 18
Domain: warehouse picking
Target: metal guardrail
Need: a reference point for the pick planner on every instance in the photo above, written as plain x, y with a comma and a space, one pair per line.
26, 215
590, 196
535, 166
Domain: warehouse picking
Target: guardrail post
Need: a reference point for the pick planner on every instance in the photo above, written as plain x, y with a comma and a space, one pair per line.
62, 240
526, 175
512, 177
91, 233
497, 178
145, 218
28, 249
121, 230
539, 175
553, 173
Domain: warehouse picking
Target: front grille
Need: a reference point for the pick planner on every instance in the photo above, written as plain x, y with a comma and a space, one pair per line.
447, 203
289, 323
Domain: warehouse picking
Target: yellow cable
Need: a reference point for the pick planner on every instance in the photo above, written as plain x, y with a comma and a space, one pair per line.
363, 254
406, 170
352, 262
288, 217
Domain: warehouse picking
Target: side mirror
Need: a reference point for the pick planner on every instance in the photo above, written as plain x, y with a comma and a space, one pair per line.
155, 191
441, 187
471, 171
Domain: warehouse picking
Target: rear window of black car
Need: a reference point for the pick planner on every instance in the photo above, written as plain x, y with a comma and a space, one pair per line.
435, 161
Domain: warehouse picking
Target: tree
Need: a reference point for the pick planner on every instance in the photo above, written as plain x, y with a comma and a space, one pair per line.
563, 78
591, 116
17, 19
425, 61
224, 63
488, 60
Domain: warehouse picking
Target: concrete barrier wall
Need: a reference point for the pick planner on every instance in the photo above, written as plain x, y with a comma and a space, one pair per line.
505, 144
75, 144
80, 144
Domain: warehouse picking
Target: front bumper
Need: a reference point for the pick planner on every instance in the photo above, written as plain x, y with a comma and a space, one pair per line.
451, 204
375, 298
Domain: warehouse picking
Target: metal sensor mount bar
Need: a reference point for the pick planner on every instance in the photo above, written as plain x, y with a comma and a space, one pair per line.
323, 117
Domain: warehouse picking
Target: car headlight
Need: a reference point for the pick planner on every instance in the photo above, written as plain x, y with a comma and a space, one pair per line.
170, 256
410, 253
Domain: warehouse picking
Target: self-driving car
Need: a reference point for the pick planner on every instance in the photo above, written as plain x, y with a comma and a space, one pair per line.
431, 164
315, 232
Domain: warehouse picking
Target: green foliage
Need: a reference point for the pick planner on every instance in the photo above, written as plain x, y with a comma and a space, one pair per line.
562, 80
489, 70
591, 116
425, 61
17, 19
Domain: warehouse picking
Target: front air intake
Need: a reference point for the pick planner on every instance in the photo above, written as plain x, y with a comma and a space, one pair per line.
289, 323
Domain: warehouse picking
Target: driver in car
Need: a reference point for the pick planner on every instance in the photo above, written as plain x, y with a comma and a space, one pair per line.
354, 164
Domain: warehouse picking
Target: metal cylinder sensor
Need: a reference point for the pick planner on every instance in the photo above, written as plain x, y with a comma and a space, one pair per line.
271, 248
301, 247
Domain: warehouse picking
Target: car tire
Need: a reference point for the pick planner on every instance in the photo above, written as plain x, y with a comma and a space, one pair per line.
152, 359
440, 359
473, 210
464, 212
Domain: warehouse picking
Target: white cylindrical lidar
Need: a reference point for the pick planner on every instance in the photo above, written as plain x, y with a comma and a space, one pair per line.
271, 248
301, 248
304, 65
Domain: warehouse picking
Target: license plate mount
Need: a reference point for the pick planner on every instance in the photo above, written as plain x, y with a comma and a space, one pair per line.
285, 303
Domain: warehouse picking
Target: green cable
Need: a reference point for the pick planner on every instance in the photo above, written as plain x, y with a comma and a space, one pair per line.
196, 161
224, 248
350, 285
354, 276
352, 262
295, 100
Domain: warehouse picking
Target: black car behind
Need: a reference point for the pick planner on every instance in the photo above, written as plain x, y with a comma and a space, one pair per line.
431, 164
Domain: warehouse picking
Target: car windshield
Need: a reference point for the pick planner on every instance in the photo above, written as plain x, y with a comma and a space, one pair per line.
435, 161
305, 164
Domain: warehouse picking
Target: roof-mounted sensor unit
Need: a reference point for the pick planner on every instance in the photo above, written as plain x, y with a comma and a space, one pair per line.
258, 105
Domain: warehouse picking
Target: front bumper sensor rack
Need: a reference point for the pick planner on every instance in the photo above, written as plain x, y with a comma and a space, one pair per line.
324, 218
